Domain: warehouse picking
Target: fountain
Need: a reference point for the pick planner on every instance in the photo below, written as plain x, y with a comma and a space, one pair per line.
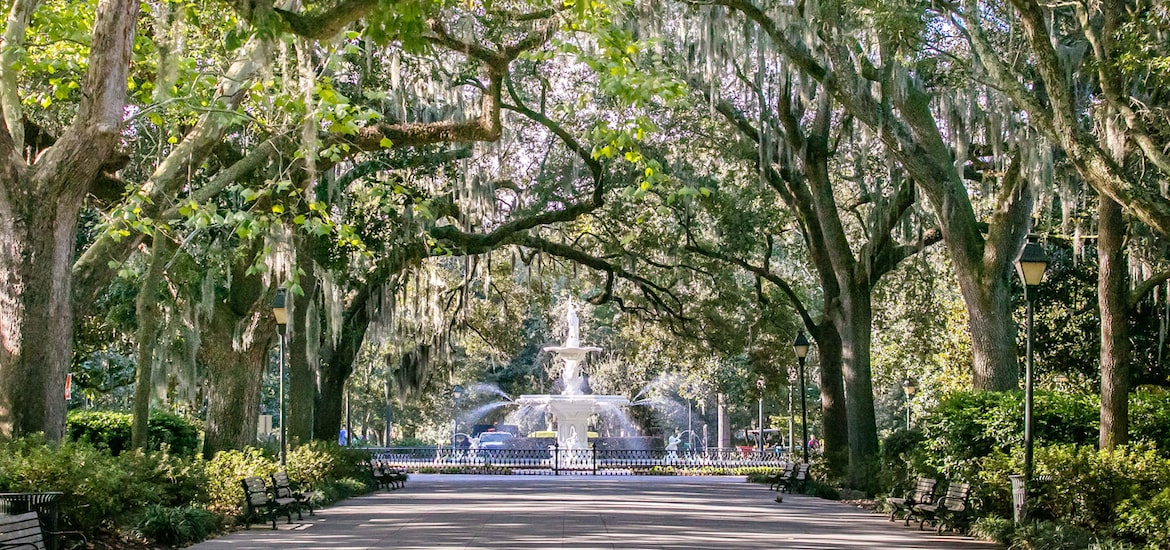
572, 408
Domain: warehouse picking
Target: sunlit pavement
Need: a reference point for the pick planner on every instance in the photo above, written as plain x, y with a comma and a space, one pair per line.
467, 511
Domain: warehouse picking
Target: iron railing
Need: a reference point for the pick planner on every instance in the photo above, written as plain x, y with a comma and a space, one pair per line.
557, 461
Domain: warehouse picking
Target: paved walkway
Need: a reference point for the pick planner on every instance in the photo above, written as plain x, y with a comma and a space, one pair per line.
531, 512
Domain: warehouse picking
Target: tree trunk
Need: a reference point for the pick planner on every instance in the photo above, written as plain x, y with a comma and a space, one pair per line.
235, 349
37, 236
834, 418
856, 326
39, 205
1112, 299
723, 428
235, 371
302, 379
336, 364
330, 408
993, 332
147, 310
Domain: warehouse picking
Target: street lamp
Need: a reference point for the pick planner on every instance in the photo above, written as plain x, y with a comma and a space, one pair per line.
910, 387
456, 392
281, 314
801, 346
760, 440
1031, 266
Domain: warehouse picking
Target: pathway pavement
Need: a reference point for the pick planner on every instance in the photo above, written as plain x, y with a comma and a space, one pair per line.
533, 512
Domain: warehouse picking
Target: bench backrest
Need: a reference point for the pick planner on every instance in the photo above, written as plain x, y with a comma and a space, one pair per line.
21, 531
956, 497
801, 472
789, 470
255, 492
280, 485
923, 490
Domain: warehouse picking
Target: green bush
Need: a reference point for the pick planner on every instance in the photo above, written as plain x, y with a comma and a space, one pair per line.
224, 472
902, 460
100, 491
1047, 535
167, 498
177, 525
1116, 493
111, 430
339, 489
968, 426
1145, 519
1149, 417
317, 461
994, 529
313, 465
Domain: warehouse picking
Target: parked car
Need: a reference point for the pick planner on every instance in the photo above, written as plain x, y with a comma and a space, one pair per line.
491, 443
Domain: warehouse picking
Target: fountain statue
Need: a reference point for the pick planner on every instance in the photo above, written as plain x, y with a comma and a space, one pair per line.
572, 408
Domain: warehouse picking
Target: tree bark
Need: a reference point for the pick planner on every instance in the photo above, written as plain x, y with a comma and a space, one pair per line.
993, 332
1112, 298
336, 366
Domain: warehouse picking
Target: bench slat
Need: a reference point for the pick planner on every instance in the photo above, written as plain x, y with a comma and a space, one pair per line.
22, 530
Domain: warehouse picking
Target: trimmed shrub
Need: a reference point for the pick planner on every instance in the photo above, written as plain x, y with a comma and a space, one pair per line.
111, 430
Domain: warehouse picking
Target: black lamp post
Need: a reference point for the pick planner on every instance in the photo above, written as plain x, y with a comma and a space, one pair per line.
800, 346
1031, 266
910, 387
456, 392
760, 439
281, 314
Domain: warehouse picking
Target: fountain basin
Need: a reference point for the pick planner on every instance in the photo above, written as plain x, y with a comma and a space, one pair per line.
572, 413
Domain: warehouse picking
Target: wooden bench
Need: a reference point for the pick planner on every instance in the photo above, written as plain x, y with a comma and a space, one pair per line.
923, 493
283, 488
783, 476
796, 482
260, 503
21, 531
952, 511
387, 477
26, 532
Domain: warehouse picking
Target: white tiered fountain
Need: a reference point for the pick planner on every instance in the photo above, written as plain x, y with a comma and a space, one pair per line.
572, 408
